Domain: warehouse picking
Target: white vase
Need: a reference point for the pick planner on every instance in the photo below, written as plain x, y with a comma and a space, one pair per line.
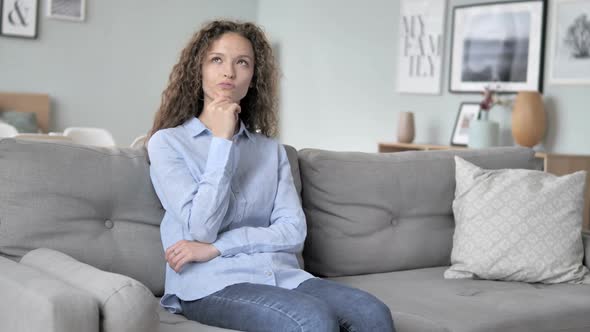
483, 133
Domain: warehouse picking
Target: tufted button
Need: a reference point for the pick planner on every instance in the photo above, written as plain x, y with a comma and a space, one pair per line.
394, 221
108, 223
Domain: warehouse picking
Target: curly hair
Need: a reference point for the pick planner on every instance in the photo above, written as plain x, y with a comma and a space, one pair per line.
183, 97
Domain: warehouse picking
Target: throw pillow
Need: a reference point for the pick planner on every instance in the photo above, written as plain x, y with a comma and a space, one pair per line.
517, 225
24, 122
125, 303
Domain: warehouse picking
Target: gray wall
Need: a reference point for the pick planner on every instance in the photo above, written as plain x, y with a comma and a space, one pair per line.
110, 70
339, 61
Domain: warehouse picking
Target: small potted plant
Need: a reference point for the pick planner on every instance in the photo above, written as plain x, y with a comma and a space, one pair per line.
489, 100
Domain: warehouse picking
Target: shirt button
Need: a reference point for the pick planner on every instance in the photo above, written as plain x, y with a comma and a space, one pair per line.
268, 273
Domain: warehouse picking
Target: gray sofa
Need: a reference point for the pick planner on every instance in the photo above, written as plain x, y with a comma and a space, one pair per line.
379, 222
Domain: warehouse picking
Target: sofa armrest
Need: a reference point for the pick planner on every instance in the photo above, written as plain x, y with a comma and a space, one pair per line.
586, 240
125, 304
35, 301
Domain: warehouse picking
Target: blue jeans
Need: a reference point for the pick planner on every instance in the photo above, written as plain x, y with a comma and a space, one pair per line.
315, 305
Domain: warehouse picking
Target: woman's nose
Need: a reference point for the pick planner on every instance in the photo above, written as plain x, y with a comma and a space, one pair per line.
229, 72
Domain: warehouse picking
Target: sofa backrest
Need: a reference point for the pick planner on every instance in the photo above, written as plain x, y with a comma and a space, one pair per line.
94, 204
366, 213
371, 213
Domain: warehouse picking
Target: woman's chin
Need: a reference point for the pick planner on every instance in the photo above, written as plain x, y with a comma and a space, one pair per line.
226, 95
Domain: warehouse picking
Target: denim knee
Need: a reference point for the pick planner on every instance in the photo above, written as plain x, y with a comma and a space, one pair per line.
373, 313
317, 317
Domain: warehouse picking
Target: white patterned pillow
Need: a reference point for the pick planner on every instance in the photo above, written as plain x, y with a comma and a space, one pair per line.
517, 225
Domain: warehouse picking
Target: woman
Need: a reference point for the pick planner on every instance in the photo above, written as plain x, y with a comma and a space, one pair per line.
233, 223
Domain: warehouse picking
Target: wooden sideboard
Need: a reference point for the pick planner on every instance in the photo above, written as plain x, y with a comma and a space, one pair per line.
558, 164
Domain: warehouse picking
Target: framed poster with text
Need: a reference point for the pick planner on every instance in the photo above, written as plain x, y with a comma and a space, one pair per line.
421, 40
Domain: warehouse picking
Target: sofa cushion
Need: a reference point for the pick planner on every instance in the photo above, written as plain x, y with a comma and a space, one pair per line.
24, 122
517, 225
370, 212
422, 300
125, 304
95, 204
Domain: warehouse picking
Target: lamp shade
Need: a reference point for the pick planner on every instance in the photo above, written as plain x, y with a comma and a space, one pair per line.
528, 119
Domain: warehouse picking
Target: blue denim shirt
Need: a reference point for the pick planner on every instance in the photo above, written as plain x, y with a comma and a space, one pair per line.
236, 194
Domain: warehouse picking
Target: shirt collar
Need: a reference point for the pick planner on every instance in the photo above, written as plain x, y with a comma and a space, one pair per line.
196, 128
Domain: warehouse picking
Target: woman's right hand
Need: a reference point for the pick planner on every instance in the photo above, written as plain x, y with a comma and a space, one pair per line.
183, 252
221, 116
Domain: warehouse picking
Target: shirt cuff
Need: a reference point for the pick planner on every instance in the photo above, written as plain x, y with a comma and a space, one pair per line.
219, 154
225, 246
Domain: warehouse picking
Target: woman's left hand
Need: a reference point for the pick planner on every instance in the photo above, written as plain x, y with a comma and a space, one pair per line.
184, 251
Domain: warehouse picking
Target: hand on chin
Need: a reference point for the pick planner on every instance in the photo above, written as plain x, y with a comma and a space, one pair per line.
227, 94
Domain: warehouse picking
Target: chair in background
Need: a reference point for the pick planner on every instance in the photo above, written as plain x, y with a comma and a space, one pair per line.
138, 142
7, 130
44, 137
90, 136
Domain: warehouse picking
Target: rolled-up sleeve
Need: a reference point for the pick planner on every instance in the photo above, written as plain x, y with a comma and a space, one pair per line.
287, 228
200, 203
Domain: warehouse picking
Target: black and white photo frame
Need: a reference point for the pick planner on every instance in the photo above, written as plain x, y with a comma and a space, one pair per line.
569, 50
71, 10
498, 44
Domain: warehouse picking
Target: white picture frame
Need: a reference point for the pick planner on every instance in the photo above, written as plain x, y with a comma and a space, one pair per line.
566, 63
19, 18
70, 10
468, 112
421, 46
498, 44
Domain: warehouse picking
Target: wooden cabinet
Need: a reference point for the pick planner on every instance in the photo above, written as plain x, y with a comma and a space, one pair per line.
558, 164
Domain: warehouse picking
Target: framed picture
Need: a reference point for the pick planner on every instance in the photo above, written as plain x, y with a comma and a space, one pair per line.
498, 44
421, 40
19, 18
569, 52
73, 10
467, 113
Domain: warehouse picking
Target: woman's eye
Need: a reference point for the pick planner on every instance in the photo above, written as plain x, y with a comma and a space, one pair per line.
243, 62
216, 59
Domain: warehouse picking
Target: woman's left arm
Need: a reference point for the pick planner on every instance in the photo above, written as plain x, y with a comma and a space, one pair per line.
287, 228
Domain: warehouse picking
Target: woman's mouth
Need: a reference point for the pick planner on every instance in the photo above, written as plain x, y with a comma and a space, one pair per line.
226, 85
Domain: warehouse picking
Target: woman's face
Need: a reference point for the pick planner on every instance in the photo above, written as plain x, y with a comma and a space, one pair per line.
228, 68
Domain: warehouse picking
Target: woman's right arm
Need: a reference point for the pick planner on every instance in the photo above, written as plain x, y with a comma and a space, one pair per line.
199, 204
